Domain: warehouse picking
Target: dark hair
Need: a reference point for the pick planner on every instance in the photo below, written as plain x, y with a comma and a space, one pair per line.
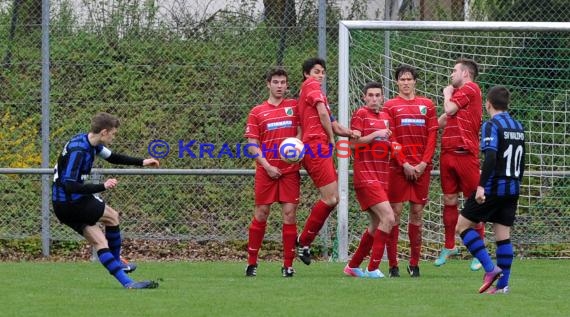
370, 85
471, 65
102, 121
276, 71
311, 62
499, 97
406, 69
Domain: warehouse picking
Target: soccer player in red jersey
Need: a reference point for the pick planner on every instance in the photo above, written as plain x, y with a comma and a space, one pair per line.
268, 124
318, 130
415, 128
371, 172
459, 160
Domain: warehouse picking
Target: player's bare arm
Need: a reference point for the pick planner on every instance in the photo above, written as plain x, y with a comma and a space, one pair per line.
299, 133
341, 130
272, 171
325, 121
442, 121
449, 106
383, 133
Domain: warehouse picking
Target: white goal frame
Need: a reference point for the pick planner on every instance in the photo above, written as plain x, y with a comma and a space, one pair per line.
343, 84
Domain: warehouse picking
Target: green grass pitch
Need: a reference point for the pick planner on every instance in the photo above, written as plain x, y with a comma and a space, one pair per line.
538, 288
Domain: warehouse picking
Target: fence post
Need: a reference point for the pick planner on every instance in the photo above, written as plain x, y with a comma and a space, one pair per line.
45, 129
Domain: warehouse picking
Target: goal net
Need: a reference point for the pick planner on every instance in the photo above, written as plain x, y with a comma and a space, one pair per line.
531, 59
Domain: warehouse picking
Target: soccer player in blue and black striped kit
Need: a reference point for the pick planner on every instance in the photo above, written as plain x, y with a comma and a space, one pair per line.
76, 205
496, 198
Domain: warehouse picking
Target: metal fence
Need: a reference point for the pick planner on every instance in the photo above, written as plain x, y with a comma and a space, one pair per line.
172, 74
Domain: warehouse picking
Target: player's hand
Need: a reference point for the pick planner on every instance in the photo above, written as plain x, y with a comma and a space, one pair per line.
110, 183
480, 195
409, 172
355, 134
384, 133
273, 172
448, 91
151, 162
420, 168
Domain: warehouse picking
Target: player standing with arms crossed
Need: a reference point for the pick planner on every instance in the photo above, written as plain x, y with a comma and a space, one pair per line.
268, 124
415, 126
318, 134
496, 197
459, 160
371, 172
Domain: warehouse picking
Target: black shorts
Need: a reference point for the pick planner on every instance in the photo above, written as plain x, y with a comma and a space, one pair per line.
81, 213
495, 209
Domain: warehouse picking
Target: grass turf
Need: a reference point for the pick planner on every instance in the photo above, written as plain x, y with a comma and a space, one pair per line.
538, 288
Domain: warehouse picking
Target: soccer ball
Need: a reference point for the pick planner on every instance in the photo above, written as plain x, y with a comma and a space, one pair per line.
291, 150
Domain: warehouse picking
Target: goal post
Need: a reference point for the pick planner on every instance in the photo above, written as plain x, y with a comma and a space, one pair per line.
532, 59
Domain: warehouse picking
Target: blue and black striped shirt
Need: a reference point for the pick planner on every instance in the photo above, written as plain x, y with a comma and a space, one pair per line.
504, 136
74, 165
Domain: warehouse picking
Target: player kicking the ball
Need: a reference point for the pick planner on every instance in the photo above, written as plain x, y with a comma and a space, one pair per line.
275, 181
76, 205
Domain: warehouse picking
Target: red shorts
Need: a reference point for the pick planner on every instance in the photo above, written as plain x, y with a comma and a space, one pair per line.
370, 194
402, 190
285, 189
319, 164
459, 173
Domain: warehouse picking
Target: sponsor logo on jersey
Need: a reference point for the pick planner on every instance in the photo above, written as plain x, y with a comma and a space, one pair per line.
412, 121
279, 125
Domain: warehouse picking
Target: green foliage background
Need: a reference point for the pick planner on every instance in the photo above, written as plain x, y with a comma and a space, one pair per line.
199, 84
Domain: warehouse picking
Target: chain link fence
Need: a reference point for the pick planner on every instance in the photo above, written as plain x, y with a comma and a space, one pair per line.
188, 74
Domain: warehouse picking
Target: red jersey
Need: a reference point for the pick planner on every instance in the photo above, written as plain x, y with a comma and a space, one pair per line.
271, 124
415, 127
310, 95
371, 165
462, 129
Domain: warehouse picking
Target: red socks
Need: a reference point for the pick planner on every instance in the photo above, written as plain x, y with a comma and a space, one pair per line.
256, 233
450, 215
380, 239
363, 249
392, 246
317, 218
415, 235
289, 233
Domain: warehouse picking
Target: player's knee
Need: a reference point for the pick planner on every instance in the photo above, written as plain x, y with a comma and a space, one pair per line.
331, 200
390, 221
261, 213
461, 226
110, 217
450, 200
416, 216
